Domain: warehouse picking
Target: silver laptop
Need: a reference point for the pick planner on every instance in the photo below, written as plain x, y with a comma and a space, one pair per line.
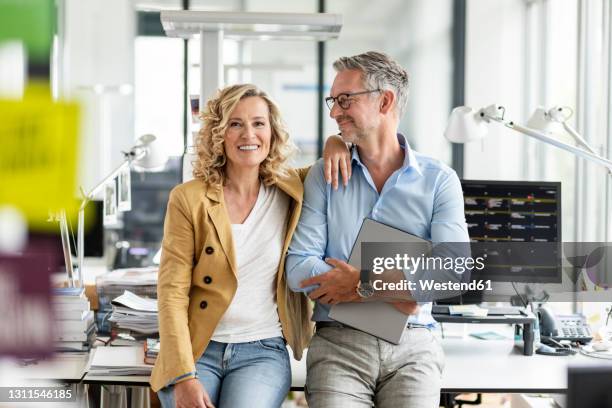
379, 319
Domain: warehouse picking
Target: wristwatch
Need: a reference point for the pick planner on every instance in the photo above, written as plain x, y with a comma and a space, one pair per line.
364, 287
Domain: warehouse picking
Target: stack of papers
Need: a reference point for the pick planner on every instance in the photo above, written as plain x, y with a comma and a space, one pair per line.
467, 310
129, 277
135, 313
118, 361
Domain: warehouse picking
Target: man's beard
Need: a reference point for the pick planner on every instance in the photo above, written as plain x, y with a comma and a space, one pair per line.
354, 134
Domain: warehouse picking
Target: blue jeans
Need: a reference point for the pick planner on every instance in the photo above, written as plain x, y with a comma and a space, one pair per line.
253, 374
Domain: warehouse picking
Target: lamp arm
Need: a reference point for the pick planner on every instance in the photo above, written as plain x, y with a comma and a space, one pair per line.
549, 140
90, 195
592, 157
577, 137
128, 158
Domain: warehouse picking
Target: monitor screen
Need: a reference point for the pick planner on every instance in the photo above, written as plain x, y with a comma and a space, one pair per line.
510, 211
502, 212
93, 233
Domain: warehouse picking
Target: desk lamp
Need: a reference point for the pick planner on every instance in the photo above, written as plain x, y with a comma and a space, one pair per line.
144, 156
555, 119
466, 124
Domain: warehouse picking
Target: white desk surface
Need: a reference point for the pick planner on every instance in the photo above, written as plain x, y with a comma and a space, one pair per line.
65, 367
471, 365
497, 366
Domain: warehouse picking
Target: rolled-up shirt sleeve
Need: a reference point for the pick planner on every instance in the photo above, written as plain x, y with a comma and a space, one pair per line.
448, 219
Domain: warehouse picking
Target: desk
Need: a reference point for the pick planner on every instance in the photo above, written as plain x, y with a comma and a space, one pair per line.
493, 366
472, 365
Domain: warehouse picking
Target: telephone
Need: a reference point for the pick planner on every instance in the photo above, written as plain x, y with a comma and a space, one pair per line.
563, 327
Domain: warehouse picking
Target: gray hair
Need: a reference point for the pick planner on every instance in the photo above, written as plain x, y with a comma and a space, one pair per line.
379, 72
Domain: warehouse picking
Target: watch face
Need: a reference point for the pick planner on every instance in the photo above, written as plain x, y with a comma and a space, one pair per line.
365, 290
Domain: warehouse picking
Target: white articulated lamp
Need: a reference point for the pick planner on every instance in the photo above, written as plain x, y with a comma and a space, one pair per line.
144, 156
466, 124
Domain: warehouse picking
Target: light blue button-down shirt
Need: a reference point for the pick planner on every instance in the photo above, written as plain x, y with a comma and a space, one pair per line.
423, 198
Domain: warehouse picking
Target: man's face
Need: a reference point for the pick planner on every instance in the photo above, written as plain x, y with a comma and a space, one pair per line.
361, 117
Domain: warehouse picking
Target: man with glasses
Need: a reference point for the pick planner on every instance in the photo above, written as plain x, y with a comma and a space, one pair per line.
396, 186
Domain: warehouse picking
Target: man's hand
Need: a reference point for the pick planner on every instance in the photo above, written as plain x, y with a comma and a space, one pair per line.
191, 393
408, 307
337, 285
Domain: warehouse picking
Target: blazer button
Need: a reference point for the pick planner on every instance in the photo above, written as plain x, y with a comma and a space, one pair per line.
207, 280
203, 304
209, 250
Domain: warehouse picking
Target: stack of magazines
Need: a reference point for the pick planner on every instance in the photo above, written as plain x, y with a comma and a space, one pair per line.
75, 329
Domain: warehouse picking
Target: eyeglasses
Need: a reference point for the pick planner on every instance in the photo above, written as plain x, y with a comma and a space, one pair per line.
344, 99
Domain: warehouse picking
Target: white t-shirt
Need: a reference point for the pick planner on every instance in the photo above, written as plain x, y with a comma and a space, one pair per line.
258, 243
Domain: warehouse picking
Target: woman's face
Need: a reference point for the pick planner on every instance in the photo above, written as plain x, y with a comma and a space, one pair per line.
248, 134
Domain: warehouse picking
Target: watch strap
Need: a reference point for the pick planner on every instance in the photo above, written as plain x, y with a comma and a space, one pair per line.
364, 276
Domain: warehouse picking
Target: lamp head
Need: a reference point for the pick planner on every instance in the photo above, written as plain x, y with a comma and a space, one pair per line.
148, 155
551, 120
465, 125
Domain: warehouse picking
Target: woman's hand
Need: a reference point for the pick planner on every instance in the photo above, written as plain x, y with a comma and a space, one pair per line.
191, 393
336, 157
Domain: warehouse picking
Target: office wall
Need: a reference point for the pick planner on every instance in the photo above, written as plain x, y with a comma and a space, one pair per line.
96, 67
494, 75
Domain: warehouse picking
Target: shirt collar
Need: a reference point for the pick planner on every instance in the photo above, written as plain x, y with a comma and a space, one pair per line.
410, 160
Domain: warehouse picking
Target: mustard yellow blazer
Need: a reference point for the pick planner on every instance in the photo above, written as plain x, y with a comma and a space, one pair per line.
197, 277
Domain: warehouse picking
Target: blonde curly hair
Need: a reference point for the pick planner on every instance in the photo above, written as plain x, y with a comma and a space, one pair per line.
211, 162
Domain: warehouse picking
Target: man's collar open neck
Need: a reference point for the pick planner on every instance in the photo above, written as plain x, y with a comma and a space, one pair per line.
408, 156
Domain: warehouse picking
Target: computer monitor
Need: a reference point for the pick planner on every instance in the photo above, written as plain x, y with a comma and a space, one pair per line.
499, 212
93, 232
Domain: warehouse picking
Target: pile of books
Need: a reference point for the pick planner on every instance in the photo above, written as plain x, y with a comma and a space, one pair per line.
151, 350
75, 329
